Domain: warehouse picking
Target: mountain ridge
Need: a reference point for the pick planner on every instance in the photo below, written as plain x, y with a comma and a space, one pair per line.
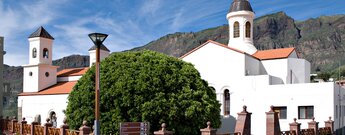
319, 40
316, 39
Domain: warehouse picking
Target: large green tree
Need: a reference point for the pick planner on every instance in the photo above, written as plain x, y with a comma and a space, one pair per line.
145, 86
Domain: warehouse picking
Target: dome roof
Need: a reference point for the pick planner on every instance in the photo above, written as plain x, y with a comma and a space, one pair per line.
240, 5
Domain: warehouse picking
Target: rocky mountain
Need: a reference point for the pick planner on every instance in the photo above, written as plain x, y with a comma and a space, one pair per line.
319, 40
72, 61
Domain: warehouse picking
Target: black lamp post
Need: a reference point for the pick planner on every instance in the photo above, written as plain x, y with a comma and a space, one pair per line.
97, 39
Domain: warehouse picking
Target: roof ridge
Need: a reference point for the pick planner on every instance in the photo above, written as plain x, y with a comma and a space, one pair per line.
216, 43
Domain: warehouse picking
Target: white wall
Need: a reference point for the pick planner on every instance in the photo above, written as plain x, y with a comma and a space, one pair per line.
277, 68
224, 66
103, 54
339, 106
254, 66
30, 83
293, 55
45, 81
319, 95
38, 80
300, 70
43, 105
68, 78
217, 64
282, 68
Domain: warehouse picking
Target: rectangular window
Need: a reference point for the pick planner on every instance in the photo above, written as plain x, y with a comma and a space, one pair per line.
305, 112
281, 110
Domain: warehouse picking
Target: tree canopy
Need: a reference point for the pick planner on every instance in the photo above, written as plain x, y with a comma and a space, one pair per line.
145, 86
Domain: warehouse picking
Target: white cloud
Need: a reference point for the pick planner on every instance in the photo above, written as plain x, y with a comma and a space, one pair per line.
150, 7
75, 34
19, 18
15, 59
191, 13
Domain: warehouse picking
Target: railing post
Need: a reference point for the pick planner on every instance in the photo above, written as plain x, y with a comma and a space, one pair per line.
46, 127
33, 127
272, 123
314, 125
84, 130
243, 123
330, 124
209, 130
163, 131
1, 124
6, 123
64, 127
295, 126
14, 121
22, 126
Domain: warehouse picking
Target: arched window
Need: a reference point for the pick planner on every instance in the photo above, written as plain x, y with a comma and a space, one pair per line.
226, 102
248, 29
52, 117
45, 53
236, 30
34, 53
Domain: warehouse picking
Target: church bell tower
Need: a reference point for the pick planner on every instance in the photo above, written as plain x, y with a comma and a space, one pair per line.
240, 18
39, 73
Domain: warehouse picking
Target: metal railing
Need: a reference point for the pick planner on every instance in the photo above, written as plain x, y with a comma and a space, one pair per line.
72, 132
53, 131
39, 130
27, 129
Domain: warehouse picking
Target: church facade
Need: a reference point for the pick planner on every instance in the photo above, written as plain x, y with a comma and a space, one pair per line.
239, 73
242, 75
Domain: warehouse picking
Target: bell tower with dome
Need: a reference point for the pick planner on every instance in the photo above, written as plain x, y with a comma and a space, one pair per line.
240, 18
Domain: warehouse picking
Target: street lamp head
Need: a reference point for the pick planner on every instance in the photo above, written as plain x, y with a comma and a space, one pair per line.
98, 38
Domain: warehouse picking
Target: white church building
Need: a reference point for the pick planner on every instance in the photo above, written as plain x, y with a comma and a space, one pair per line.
239, 73
45, 90
242, 75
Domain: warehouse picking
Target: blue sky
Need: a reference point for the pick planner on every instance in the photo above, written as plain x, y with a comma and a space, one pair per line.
129, 23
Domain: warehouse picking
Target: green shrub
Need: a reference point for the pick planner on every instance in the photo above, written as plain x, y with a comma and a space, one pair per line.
145, 86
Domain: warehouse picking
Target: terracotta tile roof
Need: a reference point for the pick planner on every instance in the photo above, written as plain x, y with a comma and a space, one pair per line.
59, 88
214, 42
72, 72
274, 53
